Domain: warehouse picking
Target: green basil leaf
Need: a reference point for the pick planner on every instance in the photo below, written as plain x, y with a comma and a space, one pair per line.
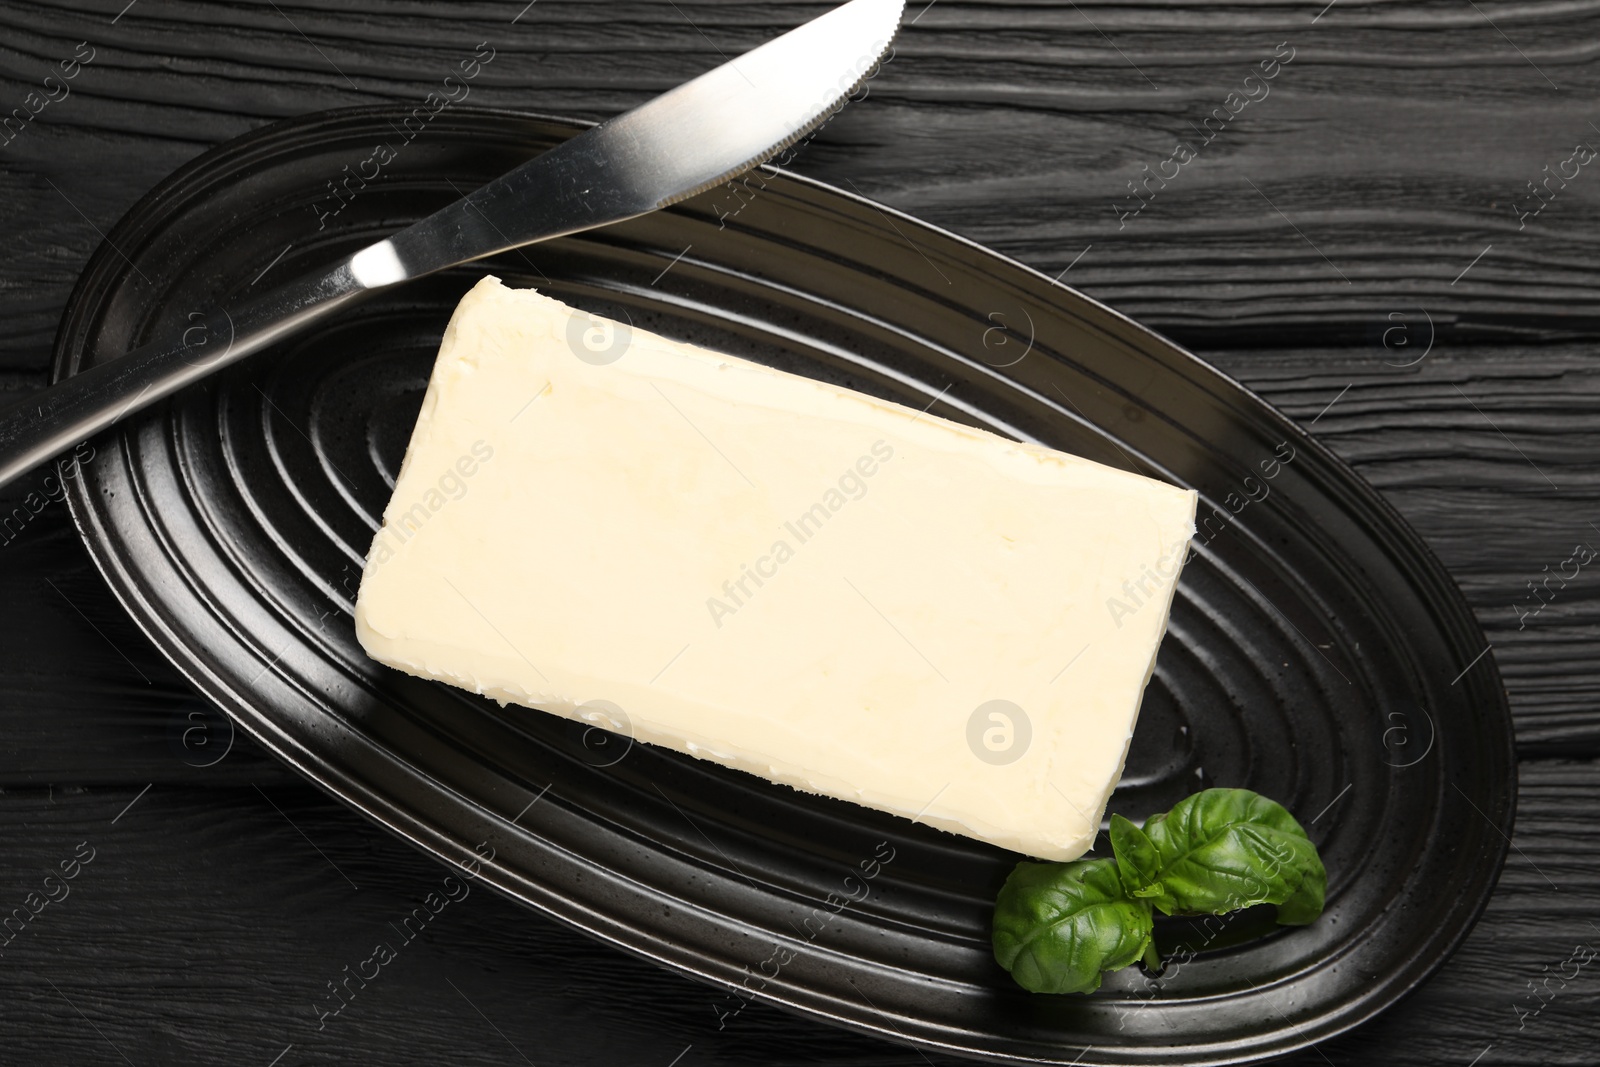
1058, 926
1225, 849
1138, 862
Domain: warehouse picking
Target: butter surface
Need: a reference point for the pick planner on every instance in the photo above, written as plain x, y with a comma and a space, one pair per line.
832, 592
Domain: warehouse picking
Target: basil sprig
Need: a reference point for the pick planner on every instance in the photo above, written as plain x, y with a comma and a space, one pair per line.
1058, 927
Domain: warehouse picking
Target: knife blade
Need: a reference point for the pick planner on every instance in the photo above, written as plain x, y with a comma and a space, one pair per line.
692, 138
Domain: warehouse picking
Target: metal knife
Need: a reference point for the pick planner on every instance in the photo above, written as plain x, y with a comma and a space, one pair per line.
689, 140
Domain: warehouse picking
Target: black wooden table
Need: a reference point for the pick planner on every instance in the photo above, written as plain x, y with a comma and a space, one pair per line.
1394, 239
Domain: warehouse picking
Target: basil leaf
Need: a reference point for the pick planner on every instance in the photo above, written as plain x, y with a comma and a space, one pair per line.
1138, 862
1058, 926
1224, 849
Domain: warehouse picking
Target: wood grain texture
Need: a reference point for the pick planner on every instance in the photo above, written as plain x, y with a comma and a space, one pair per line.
1391, 151
1331, 230
1493, 454
196, 960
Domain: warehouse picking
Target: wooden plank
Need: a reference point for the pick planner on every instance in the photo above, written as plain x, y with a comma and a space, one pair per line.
1394, 147
210, 920
1493, 454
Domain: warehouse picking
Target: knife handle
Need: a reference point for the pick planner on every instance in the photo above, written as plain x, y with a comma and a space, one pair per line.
53, 420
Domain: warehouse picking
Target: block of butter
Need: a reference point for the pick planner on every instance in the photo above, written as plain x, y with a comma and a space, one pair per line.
830, 591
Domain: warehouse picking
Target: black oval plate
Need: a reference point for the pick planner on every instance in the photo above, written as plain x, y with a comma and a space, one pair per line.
1318, 652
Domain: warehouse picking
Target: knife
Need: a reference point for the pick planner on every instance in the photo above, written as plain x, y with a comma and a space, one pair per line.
691, 139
